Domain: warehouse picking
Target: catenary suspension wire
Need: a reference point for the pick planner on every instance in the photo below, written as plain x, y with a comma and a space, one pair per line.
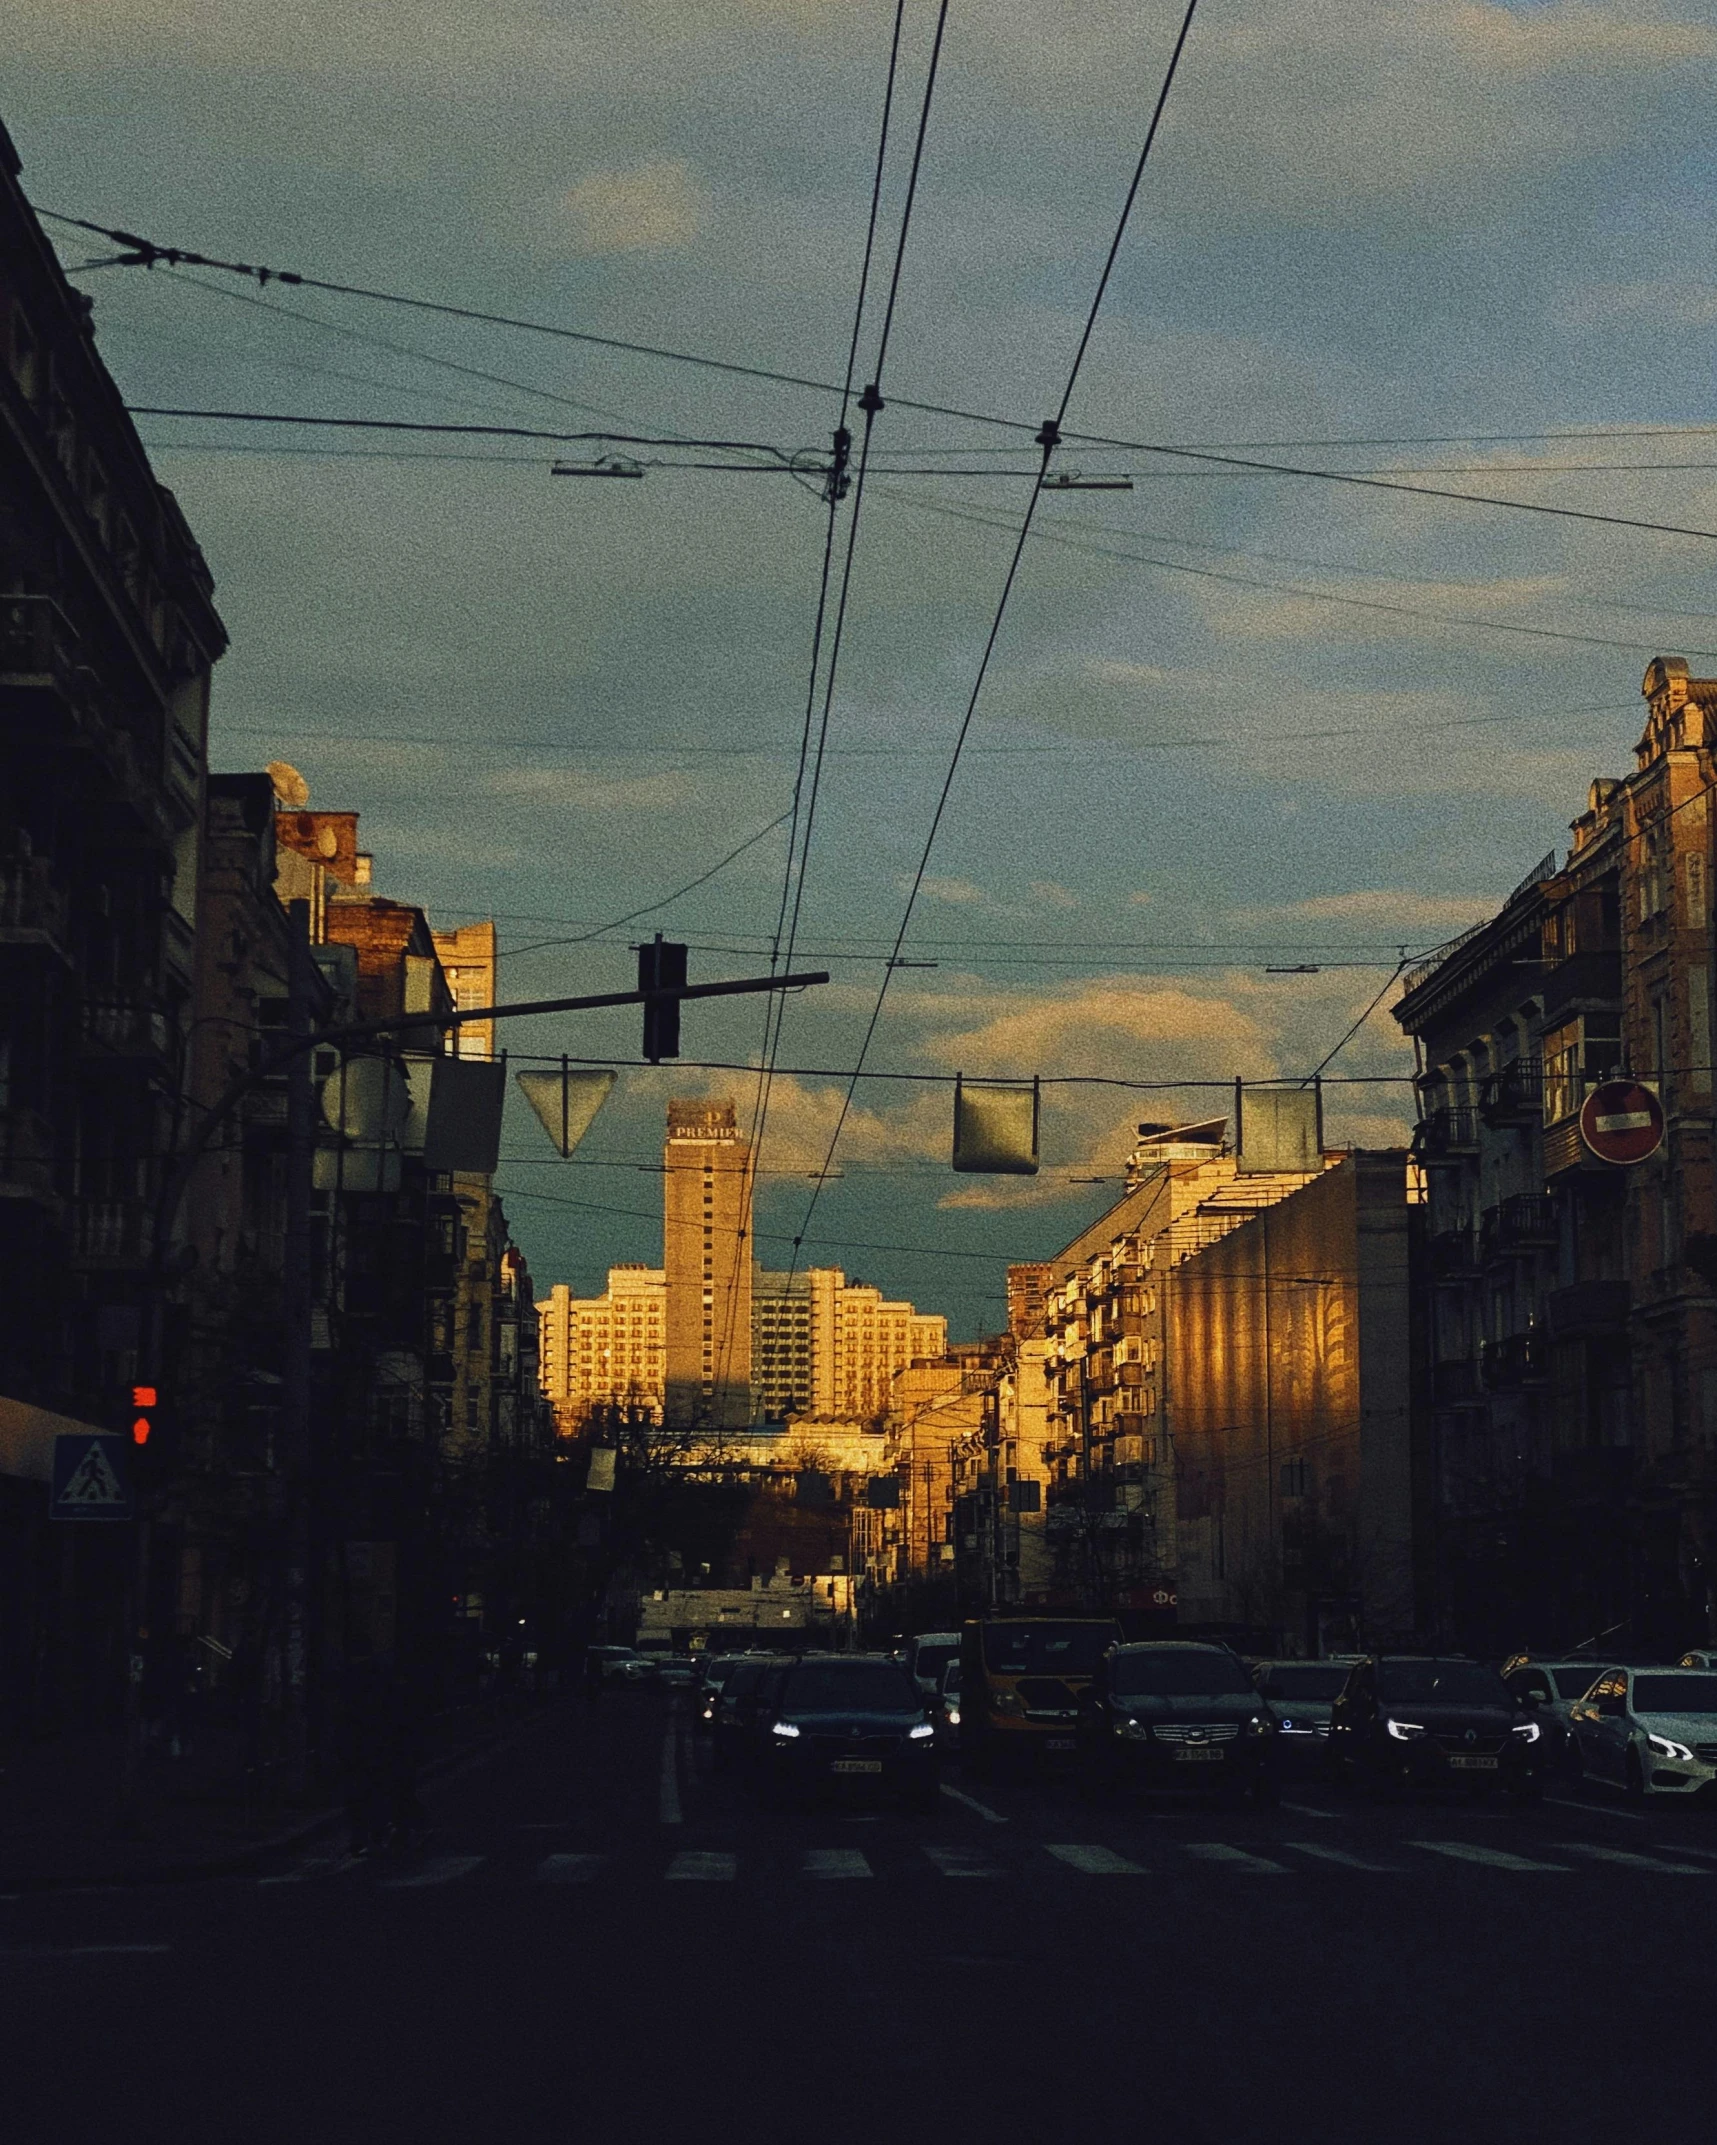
148, 253
1048, 438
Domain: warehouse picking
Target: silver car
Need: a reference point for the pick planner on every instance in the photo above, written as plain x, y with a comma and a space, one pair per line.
1552, 1689
1650, 1731
1300, 1694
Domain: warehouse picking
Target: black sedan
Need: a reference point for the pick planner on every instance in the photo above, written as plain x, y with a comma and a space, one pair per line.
1177, 1715
1408, 1721
847, 1724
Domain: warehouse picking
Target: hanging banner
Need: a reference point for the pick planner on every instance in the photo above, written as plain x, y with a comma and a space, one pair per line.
566, 1102
995, 1129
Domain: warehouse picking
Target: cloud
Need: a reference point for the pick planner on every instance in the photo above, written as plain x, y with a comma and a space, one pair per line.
1058, 897
1385, 909
647, 209
960, 892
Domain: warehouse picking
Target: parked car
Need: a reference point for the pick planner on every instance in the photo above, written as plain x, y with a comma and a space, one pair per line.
926, 1656
1407, 1721
946, 1709
843, 1723
1552, 1688
736, 1708
1179, 1715
713, 1672
1650, 1731
616, 1664
675, 1669
1300, 1694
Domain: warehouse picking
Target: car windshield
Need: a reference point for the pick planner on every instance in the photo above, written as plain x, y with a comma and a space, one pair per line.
1573, 1682
1177, 1674
951, 1677
1046, 1649
932, 1660
1687, 1693
1316, 1682
864, 1687
1441, 1683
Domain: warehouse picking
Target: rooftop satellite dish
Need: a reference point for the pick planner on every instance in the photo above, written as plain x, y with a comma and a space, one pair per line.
290, 786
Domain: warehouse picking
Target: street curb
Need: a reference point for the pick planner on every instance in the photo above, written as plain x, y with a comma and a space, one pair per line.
243, 1858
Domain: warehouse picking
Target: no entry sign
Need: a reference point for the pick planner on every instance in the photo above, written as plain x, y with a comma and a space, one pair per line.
1622, 1121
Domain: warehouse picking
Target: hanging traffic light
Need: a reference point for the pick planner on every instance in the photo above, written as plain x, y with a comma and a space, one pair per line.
661, 966
143, 1404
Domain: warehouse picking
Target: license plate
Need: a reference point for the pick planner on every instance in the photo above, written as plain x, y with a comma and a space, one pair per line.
1199, 1757
1060, 1742
856, 1765
1461, 1763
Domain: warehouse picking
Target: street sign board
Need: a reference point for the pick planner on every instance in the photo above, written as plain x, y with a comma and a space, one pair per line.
92, 1477
1622, 1121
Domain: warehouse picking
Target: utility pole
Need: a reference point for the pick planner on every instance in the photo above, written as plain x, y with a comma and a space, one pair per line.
295, 1311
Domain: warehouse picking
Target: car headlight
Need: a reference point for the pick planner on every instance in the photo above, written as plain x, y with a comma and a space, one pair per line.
1527, 1730
1260, 1724
953, 1716
1667, 1747
1135, 1731
1404, 1730
785, 1730
920, 1734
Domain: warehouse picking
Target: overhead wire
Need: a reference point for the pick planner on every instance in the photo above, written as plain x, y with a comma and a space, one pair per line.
149, 253
1048, 437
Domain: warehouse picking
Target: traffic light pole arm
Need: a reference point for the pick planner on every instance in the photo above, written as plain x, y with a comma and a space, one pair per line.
366, 1030
362, 1031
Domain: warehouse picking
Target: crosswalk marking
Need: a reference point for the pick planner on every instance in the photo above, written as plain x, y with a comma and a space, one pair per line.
1492, 1857
1235, 1858
971, 1802
1097, 1861
568, 1869
1631, 1861
1596, 1809
960, 1861
834, 1862
1311, 1809
439, 1869
696, 1865
1341, 1856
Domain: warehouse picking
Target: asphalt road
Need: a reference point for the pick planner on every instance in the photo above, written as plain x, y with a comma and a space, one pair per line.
602, 1938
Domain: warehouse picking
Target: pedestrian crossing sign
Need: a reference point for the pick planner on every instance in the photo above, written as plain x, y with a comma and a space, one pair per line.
92, 1478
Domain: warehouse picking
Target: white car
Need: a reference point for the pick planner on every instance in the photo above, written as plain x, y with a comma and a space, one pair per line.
1650, 1731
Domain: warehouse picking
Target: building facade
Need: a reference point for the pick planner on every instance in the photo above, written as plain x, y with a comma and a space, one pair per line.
1566, 1303
861, 1342
706, 1256
606, 1351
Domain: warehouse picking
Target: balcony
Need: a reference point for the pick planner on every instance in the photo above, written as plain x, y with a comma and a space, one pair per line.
1511, 1363
26, 1156
1447, 1135
1455, 1384
1525, 1223
1590, 1310
125, 1030
1450, 1254
38, 643
1514, 1093
115, 1232
34, 909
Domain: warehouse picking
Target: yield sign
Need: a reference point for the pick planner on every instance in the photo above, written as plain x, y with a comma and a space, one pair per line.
1622, 1121
92, 1477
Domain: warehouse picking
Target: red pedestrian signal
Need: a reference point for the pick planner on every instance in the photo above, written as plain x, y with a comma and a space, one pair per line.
143, 1400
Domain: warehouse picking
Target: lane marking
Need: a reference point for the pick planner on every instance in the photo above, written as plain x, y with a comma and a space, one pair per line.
1491, 1857
971, 1802
1340, 1855
568, 1869
668, 1803
702, 1866
1097, 1861
1310, 1809
1235, 1858
83, 1951
1596, 1809
440, 1869
960, 1861
834, 1862
1631, 1861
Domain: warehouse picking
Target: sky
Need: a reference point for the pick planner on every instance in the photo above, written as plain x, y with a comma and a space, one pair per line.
1234, 721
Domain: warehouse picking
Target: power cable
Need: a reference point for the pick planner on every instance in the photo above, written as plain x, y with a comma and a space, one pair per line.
1048, 438
148, 253
1400, 966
